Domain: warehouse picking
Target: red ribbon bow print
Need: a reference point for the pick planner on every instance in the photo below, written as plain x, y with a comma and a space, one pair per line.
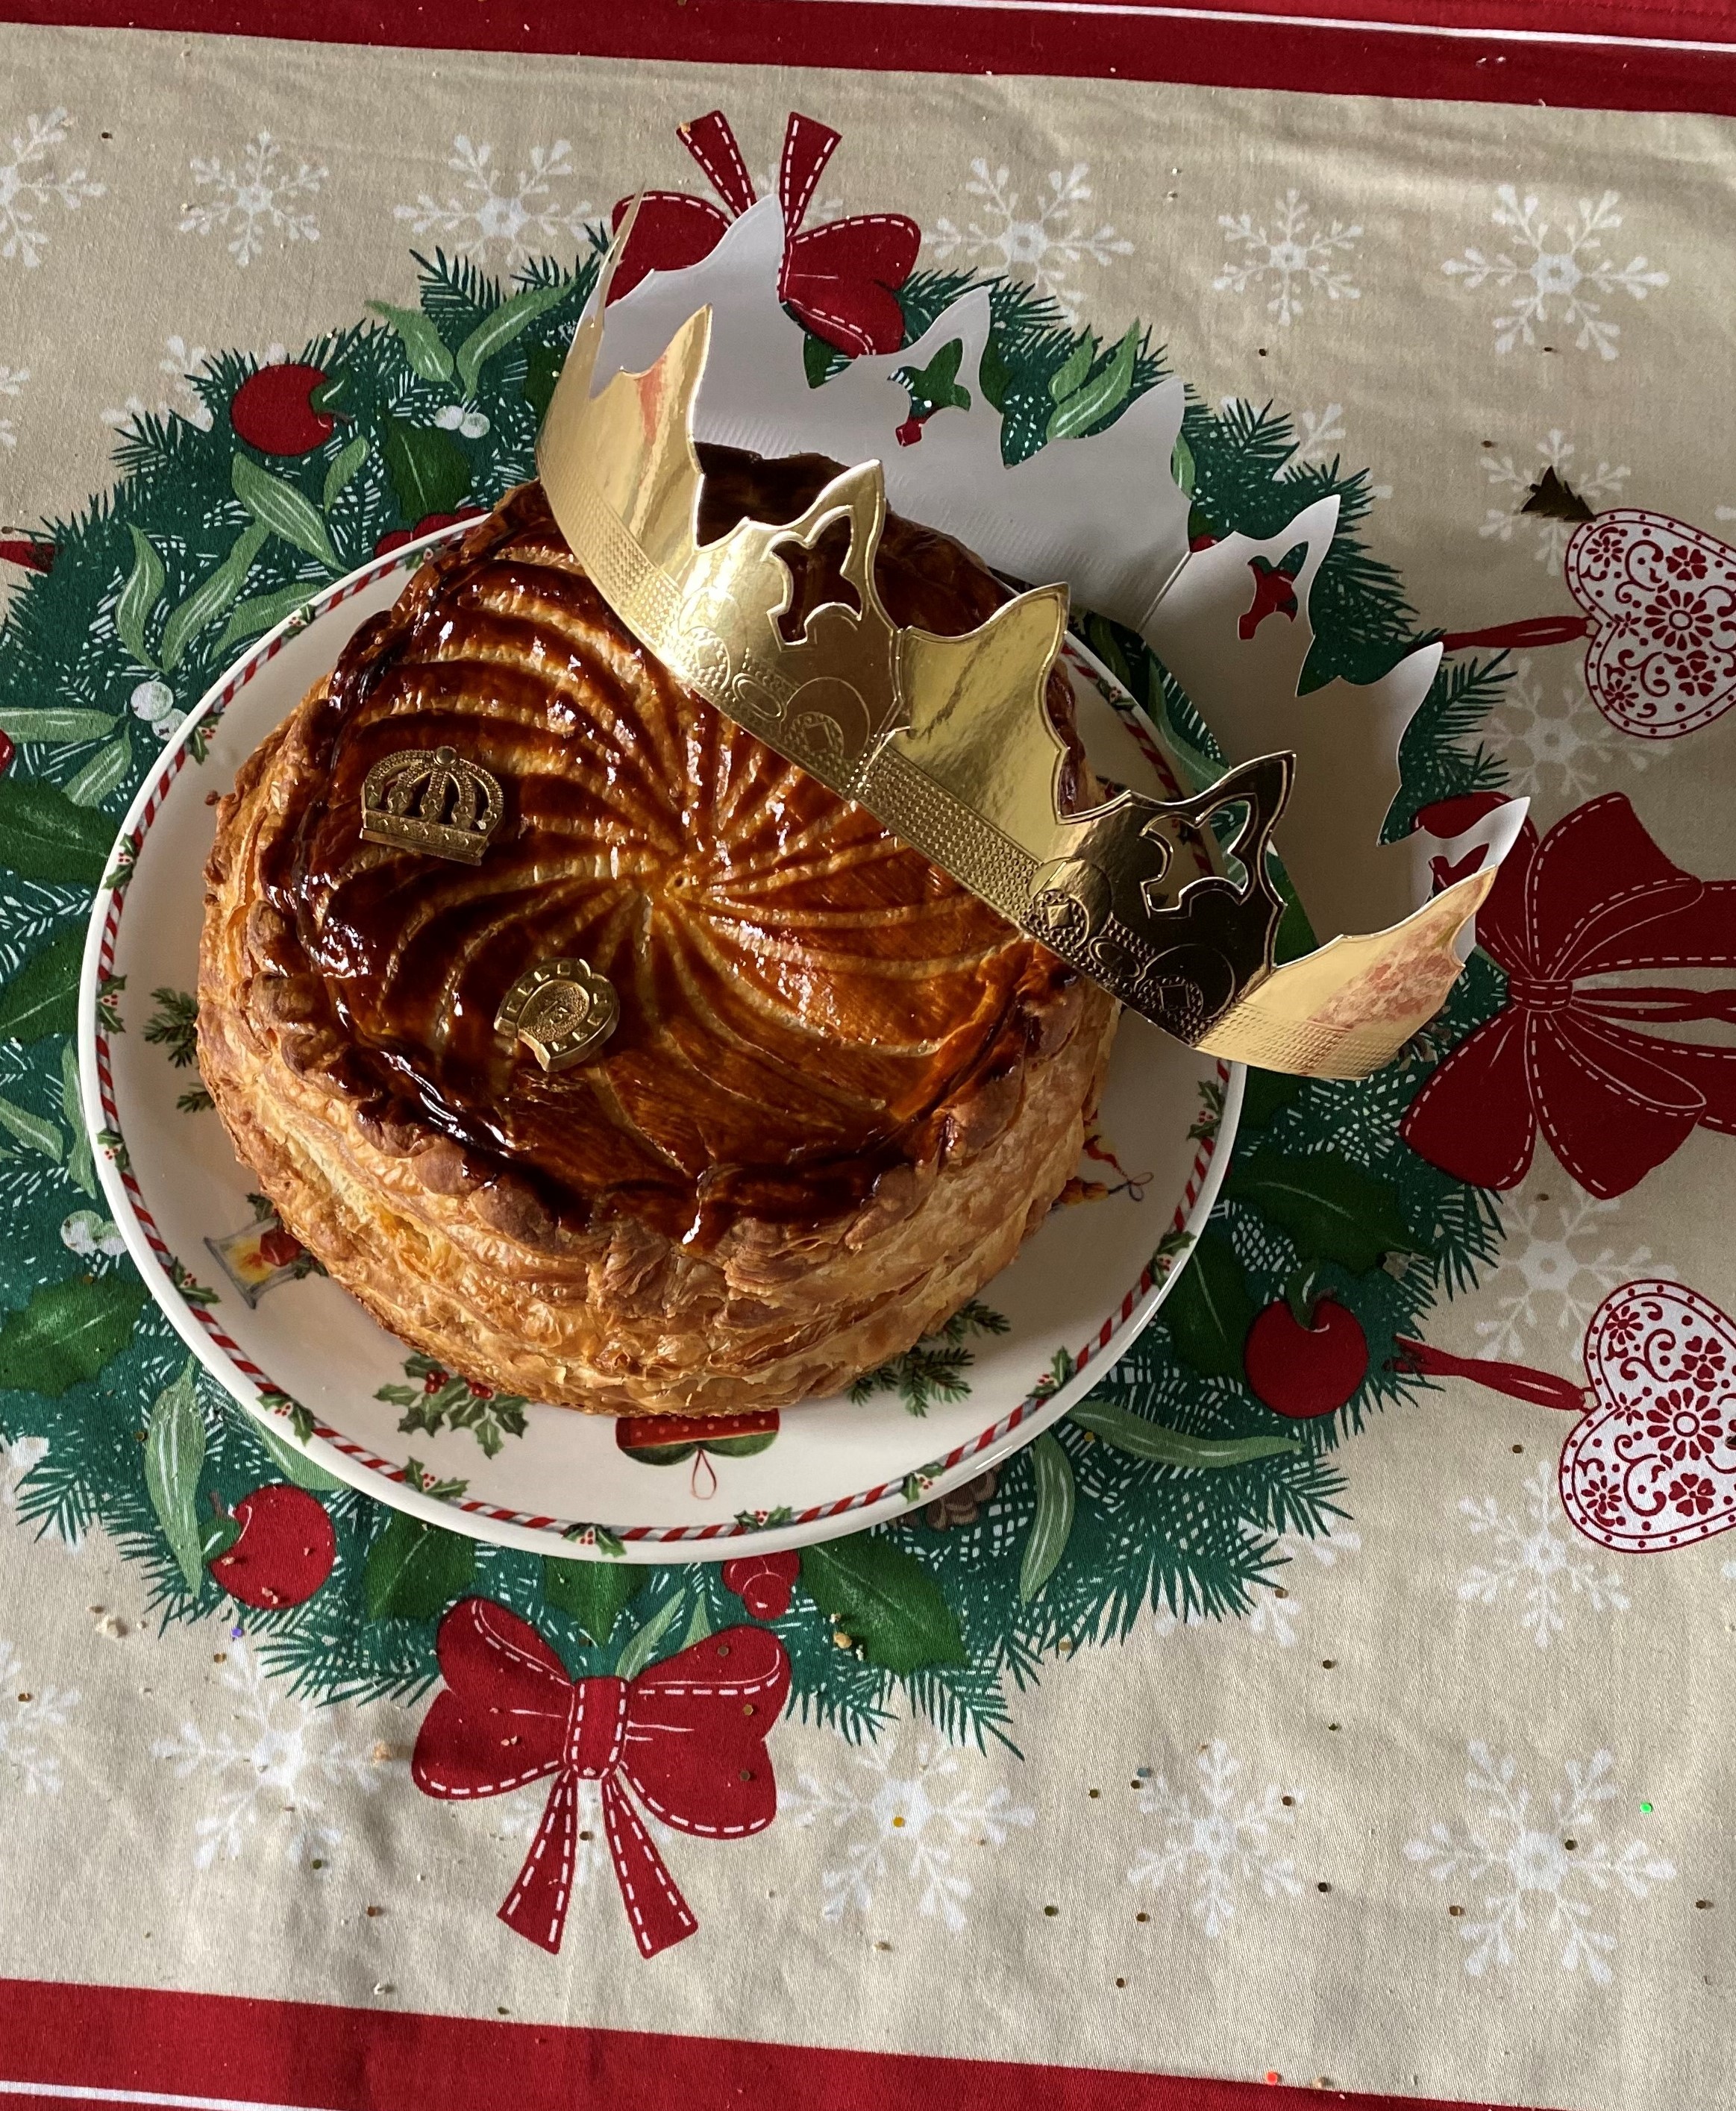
841, 279
1594, 899
687, 1737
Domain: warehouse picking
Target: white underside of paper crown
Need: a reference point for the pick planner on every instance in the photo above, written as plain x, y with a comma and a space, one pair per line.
1106, 515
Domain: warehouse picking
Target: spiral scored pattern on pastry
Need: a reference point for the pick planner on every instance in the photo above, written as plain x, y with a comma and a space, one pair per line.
840, 1089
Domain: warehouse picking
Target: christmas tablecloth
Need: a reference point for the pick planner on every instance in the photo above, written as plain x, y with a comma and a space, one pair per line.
1390, 1764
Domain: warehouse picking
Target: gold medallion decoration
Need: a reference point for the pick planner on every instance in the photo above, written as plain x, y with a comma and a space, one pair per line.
562, 1010
947, 742
424, 799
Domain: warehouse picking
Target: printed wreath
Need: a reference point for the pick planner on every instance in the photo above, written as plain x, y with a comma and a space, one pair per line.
1163, 1490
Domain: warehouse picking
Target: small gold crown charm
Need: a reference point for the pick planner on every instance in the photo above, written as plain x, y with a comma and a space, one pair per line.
434, 800
563, 1011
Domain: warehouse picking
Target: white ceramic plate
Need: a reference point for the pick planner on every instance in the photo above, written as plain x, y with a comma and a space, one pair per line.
1071, 1303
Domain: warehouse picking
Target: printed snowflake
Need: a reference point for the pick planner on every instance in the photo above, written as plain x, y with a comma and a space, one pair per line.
1517, 481
1533, 1863
1546, 1570
1555, 745
1292, 255
272, 1769
1555, 260
30, 179
258, 196
903, 1818
32, 1718
1045, 244
1276, 1609
1226, 1842
183, 400
1555, 1263
526, 219
12, 379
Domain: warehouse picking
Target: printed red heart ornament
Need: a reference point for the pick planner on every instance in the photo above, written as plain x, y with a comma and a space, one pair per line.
1661, 598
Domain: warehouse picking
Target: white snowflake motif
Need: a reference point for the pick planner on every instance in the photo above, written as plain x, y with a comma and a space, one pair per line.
904, 1817
30, 180
182, 401
1229, 1840
258, 197
32, 1719
1292, 255
1276, 1609
272, 1769
1555, 1262
12, 379
1555, 260
1516, 482
1535, 1863
1545, 1570
1556, 744
1045, 244
482, 213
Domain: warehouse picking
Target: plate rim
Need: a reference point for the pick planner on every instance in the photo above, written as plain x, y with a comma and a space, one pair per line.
353, 1463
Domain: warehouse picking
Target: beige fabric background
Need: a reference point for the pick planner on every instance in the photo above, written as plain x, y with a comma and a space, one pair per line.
1457, 1667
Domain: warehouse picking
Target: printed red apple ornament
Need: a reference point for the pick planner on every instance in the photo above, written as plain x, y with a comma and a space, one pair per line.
273, 411
284, 1552
1306, 1354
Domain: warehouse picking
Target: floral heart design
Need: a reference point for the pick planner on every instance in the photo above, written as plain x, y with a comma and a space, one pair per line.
1662, 598
1652, 1464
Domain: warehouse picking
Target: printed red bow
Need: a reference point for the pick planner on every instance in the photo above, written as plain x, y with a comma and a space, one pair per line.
687, 1736
841, 279
1596, 897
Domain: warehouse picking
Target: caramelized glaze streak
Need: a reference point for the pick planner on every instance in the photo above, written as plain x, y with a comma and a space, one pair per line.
801, 993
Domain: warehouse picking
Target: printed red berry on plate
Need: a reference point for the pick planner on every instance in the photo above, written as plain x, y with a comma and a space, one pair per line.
285, 1551
763, 1582
270, 410
1304, 1370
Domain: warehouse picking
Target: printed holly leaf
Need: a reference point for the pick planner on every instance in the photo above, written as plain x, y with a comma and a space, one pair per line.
414, 1571
593, 1593
259, 612
68, 1331
295, 1466
56, 724
173, 1459
429, 470
281, 508
106, 769
641, 1646
139, 596
1210, 1310
1093, 402
45, 835
495, 332
884, 1599
213, 595
31, 1129
1053, 1525
80, 1166
42, 997
1125, 1431
1332, 1210
427, 355
345, 463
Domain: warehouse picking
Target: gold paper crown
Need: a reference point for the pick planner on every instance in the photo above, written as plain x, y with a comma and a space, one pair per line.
947, 742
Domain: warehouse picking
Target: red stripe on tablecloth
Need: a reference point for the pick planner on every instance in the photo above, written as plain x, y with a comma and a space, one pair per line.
1595, 54
63, 2045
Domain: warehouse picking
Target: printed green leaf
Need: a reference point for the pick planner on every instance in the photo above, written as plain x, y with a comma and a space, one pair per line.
494, 332
1182, 466
593, 1593
106, 770
1090, 405
42, 997
1127, 1432
44, 836
59, 724
430, 471
259, 612
935, 387
139, 596
427, 355
1053, 1523
1070, 374
1210, 1310
68, 1331
640, 1646
884, 1599
993, 373
174, 1458
542, 365
414, 1571
294, 1466
31, 1129
280, 507
212, 596
1333, 1210
348, 459
699, 1626
80, 1167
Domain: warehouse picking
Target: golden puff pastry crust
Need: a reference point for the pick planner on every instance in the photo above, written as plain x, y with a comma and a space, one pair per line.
841, 1092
